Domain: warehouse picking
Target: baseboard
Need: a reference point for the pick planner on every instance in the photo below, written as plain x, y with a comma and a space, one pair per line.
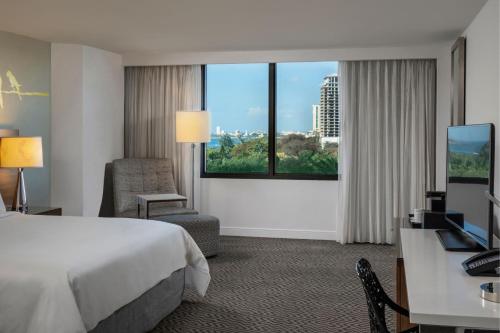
279, 233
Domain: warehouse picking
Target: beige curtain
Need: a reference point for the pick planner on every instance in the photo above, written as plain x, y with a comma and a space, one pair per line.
387, 145
152, 96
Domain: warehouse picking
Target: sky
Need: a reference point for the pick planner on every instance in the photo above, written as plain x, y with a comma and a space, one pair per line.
477, 133
237, 95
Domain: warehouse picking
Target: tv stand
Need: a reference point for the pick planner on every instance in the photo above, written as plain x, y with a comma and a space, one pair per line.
453, 240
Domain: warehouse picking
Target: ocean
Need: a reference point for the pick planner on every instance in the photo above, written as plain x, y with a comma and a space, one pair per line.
214, 142
467, 147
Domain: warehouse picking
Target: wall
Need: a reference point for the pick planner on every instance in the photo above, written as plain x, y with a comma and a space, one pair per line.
272, 208
443, 114
497, 187
87, 124
292, 208
187, 58
103, 121
67, 117
482, 88
29, 60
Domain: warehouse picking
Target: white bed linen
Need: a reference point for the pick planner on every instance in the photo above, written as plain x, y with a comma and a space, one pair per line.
65, 274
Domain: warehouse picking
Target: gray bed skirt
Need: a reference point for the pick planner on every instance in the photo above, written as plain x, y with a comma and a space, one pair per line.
145, 312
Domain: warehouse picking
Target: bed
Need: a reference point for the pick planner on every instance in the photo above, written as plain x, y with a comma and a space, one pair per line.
89, 274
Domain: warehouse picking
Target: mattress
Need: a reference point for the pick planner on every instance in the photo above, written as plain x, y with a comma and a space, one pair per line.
67, 274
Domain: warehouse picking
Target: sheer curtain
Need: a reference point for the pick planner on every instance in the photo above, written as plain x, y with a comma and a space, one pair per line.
152, 96
387, 157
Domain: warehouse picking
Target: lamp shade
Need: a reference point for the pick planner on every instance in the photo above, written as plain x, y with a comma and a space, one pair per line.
192, 126
21, 152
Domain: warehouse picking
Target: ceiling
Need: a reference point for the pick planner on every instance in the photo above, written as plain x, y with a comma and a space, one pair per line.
237, 25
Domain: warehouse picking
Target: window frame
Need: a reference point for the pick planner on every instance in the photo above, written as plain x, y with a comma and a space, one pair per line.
271, 167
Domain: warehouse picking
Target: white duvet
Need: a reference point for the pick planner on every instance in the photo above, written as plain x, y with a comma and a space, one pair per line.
65, 274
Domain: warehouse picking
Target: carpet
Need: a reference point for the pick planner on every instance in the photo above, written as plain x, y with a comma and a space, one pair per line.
284, 285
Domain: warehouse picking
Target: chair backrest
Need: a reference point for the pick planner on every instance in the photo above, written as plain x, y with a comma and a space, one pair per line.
140, 176
375, 296
108, 201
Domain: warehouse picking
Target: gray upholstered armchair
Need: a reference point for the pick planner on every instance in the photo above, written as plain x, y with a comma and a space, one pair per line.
125, 178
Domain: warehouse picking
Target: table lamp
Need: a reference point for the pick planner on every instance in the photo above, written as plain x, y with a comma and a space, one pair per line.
192, 127
21, 152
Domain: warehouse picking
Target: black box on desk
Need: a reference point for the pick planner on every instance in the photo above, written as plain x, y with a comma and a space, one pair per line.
435, 220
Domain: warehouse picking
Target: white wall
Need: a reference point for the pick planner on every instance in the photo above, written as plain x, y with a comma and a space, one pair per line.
189, 58
293, 208
482, 88
103, 121
66, 130
272, 208
87, 124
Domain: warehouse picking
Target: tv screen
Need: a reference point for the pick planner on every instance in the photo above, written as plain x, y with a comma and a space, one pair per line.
469, 176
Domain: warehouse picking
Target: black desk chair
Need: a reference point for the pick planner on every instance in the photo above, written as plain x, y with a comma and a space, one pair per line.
377, 299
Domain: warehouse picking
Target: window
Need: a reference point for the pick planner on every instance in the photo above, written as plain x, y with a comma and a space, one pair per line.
272, 120
237, 97
307, 118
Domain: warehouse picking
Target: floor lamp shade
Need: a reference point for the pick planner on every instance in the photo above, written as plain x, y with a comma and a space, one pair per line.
192, 126
21, 152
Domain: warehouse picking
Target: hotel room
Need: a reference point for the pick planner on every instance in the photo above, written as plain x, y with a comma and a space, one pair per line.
249, 166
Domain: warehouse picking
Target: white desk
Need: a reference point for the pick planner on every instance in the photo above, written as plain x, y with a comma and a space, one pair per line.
439, 291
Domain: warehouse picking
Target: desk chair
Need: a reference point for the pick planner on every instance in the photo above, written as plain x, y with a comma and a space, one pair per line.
377, 299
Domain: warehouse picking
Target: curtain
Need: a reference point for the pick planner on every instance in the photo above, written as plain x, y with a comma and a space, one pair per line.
152, 96
387, 150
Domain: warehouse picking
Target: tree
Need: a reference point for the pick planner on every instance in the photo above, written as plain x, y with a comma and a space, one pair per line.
293, 144
226, 145
296, 154
331, 147
251, 147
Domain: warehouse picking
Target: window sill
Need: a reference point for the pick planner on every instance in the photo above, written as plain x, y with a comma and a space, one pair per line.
265, 176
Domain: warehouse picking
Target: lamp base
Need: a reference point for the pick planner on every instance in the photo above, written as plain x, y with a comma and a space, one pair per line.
19, 203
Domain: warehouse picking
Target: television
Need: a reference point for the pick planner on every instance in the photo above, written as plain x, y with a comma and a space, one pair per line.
470, 175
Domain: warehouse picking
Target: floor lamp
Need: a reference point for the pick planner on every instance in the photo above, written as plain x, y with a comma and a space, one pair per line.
21, 152
192, 127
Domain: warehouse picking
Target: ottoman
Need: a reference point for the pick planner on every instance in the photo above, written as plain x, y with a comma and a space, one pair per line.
203, 228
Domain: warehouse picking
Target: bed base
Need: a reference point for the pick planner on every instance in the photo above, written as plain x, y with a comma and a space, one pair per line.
145, 312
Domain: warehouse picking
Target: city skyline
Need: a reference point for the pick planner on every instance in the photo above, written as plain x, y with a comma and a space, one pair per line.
237, 101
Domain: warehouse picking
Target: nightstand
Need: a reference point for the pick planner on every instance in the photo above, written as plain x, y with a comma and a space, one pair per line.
34, 210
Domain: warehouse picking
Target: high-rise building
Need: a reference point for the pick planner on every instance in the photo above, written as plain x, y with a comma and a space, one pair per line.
218, 131
329, 117
315, 111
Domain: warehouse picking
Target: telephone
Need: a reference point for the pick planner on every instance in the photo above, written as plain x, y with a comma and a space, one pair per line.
486, 263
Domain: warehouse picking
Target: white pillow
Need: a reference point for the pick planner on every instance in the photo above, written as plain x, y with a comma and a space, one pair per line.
2, 205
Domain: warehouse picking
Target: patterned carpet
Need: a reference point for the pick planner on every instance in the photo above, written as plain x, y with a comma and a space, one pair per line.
282, 285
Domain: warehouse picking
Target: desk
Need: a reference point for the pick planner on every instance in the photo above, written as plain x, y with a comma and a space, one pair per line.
439, 291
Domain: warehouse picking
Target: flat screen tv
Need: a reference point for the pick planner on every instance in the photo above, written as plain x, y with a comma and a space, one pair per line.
470, 172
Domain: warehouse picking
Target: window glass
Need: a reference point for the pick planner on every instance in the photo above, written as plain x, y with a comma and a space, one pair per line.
307, 118
237, 97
